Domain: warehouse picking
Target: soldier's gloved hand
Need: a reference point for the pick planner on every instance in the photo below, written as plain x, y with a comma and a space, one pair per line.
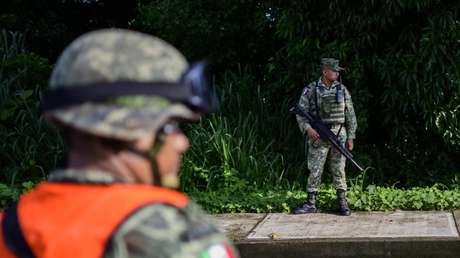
349, 144
312, 134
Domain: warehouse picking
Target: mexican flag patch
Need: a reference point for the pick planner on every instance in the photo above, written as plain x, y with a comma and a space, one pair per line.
218, 251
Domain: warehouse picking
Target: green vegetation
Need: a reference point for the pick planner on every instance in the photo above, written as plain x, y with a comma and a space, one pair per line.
402, 71
29, 148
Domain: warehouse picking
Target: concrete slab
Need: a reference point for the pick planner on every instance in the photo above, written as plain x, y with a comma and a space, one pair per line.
237, 226
398, 224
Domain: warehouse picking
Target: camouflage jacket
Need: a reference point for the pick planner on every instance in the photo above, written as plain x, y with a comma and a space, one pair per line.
158, 230
334, 104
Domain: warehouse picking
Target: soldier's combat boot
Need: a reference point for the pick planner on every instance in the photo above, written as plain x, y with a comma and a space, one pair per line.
342, 201
309, 206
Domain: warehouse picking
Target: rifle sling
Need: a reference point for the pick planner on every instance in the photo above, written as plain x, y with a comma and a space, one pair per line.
316, 101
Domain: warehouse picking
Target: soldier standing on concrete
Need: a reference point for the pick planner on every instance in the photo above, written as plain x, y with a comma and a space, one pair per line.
117, 96
329, 100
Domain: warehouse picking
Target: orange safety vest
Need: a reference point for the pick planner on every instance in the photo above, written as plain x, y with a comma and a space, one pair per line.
77, 220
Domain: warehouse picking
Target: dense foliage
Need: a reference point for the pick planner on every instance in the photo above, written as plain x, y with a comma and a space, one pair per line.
28, 148
402, 69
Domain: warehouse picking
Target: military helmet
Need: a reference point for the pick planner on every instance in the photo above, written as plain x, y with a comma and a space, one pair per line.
123, 84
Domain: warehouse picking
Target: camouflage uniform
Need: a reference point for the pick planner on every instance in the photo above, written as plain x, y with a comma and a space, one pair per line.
156, 230
335, 109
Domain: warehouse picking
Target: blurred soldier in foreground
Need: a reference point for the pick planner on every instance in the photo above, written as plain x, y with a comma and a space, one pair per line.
328, 100
117, 96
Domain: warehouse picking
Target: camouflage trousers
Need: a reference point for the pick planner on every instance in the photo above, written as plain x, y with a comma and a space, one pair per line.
318, 152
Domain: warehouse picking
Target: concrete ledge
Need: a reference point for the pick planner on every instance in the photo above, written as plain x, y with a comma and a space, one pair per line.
364, 234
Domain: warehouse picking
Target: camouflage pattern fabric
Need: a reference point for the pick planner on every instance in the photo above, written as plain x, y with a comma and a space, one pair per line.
121, 121
318, 152
158, 230
119, 55
164, 231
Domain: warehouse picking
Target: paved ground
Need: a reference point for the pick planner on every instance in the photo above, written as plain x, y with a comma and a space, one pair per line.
364, 234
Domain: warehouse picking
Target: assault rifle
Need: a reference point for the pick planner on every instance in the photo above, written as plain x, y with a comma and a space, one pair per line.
325, 133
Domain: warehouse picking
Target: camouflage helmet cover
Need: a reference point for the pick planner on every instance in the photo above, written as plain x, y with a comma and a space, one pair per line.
114, 55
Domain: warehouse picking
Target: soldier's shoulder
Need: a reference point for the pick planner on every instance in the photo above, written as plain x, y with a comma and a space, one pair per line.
167, 216
184, 232
155, 218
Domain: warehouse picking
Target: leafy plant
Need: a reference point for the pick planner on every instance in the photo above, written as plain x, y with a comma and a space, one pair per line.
371, 198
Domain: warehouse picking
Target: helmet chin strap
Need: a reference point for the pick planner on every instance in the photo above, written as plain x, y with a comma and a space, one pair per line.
155, 172
168, 181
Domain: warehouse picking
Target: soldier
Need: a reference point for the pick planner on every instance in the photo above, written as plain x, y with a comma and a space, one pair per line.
117, 95
329, 100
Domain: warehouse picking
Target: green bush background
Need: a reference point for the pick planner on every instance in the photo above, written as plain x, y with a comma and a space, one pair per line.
402, 60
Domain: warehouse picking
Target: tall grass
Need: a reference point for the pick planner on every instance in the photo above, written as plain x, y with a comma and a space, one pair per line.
242, 144
28, 149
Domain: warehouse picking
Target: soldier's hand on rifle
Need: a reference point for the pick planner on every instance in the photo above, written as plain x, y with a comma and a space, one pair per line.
312, 134
349, 144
